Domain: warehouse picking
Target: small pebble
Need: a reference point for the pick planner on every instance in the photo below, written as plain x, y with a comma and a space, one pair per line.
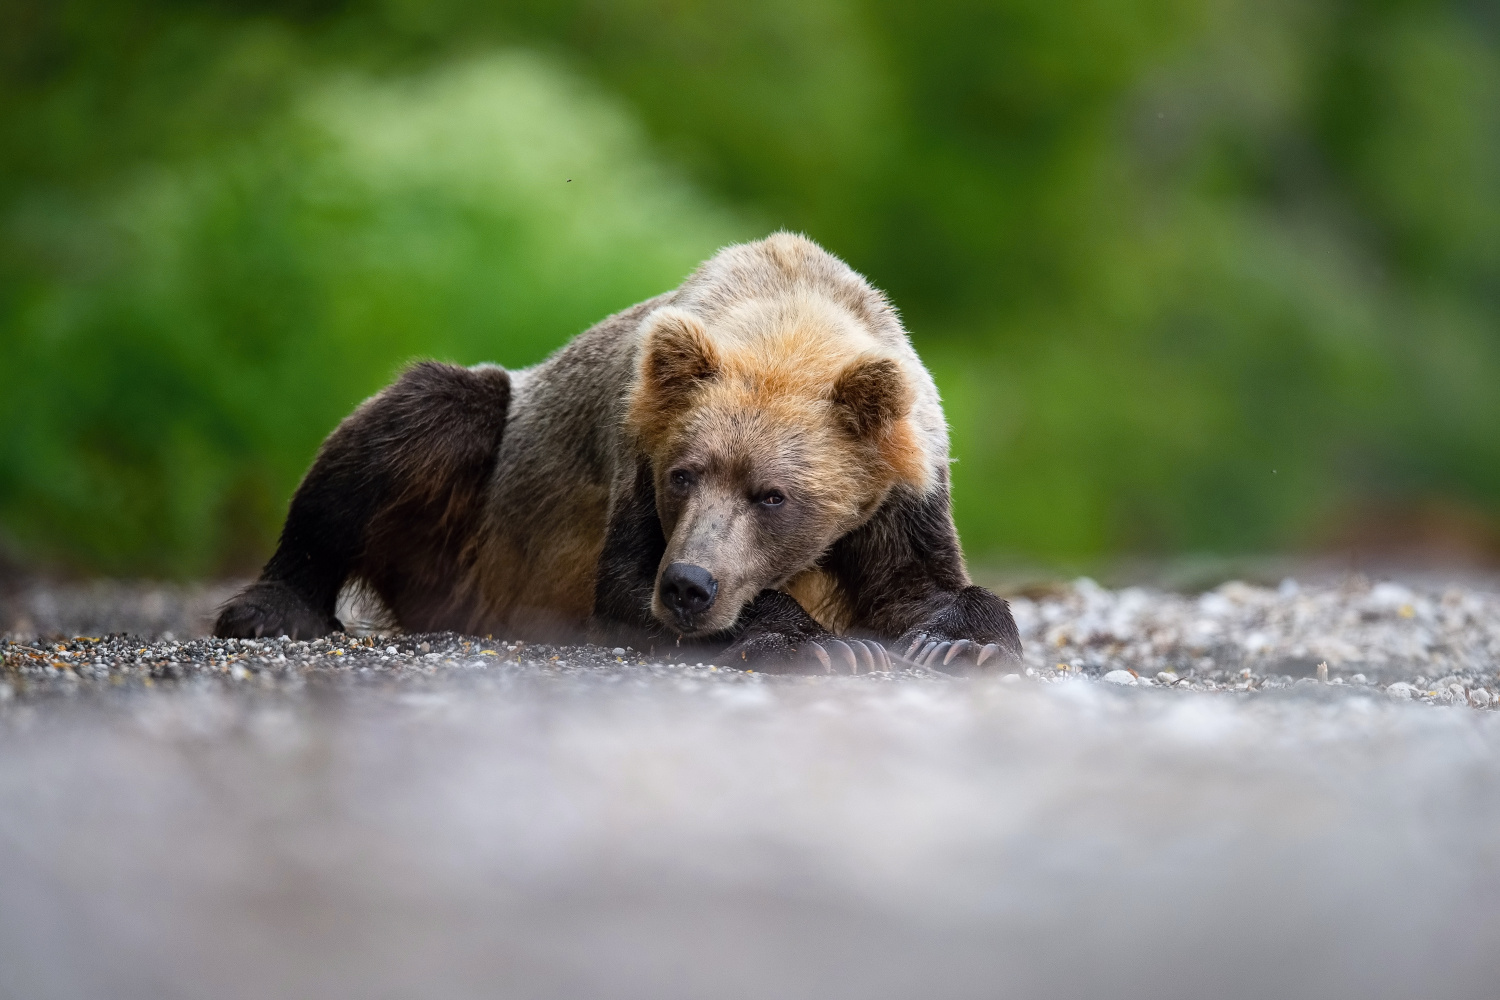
1120, 677
1401, 691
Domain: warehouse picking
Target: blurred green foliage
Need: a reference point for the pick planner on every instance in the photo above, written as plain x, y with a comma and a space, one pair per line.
1193, 275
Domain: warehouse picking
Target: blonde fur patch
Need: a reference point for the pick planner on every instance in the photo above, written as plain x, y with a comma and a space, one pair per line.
792, 360
821, 597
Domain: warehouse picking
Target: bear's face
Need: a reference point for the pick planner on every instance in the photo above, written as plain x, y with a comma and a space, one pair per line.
764, 454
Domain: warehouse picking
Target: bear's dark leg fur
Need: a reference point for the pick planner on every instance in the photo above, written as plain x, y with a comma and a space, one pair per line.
393, 498
903, 574
772, 629
633, 547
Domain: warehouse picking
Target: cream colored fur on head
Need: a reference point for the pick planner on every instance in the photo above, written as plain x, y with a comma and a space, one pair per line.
783, 329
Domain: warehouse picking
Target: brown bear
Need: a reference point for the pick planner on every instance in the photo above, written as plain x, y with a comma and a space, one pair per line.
756, 462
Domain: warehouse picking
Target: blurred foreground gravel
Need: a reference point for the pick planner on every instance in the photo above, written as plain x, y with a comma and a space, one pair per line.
1166, 801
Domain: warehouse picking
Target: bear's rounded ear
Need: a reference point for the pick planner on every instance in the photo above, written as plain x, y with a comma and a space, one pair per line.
677, 358
871, 395
873, 399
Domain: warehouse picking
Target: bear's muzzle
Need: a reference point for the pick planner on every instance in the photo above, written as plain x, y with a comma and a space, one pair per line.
688, 592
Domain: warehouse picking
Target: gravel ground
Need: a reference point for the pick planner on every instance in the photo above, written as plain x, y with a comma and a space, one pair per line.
1165, 801
1433, 644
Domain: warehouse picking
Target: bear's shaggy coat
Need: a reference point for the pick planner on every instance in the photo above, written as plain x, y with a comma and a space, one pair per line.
757, 460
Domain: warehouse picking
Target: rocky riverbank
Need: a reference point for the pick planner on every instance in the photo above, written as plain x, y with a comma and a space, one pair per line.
1436, 644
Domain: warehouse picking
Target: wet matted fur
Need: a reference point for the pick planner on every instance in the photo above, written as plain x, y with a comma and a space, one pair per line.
766, 428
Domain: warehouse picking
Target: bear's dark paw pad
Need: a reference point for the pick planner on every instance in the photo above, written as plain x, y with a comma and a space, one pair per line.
271, 609
934, 652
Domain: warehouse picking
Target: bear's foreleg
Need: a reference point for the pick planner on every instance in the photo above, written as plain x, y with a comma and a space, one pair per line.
394, 498
976, 628
626, 577
774, 632
903, 575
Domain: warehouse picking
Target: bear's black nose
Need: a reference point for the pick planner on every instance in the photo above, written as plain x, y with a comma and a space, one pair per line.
688, 590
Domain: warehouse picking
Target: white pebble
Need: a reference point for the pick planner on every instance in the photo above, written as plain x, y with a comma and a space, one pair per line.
1120, 677
1479, 698
1390, 594
391, 650
618, 651
1401, 690
1166, 677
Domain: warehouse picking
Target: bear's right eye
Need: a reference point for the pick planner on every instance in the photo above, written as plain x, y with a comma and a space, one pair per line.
681, 479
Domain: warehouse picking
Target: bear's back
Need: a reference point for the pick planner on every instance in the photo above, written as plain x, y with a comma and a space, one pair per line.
786, 267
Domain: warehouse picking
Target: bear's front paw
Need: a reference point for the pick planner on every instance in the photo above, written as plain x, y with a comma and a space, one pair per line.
829, 654
975, 630
938, 653
270, 608
763, 650
777, 634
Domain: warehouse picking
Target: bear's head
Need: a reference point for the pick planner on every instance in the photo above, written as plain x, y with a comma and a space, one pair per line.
770, 437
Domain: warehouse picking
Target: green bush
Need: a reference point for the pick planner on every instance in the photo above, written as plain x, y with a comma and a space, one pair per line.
1194, 275
168, 392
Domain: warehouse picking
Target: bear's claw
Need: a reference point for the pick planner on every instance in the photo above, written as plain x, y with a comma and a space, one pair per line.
850, 656
956, 649
937, 653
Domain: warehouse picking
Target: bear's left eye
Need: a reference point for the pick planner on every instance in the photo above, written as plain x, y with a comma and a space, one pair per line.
772, 498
